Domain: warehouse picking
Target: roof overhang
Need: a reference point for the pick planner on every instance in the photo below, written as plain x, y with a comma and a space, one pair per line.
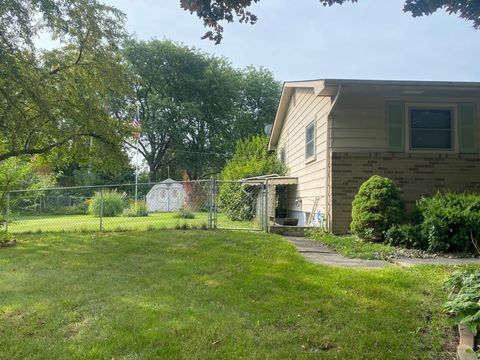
394, 88
272, 179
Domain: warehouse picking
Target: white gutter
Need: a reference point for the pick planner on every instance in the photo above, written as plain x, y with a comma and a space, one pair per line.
328, 159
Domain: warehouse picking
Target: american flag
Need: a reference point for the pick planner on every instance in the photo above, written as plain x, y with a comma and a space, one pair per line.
136, 124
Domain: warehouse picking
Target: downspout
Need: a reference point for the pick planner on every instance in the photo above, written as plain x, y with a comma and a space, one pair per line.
328, 218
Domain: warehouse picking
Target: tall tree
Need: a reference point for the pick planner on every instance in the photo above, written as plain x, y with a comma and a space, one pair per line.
257, 102
166, 88
58, 100
210, 138
186, 99
213, 12
194, 107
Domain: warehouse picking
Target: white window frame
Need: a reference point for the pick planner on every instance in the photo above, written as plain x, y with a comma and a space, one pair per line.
432, 106
313, 157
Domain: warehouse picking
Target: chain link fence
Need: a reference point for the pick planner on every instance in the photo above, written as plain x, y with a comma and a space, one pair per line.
170, 204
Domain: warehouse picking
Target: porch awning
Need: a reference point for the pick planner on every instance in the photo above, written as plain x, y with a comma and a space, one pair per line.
272, 179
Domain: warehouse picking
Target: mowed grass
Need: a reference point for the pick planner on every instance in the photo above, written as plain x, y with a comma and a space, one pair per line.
55, 223
208, 295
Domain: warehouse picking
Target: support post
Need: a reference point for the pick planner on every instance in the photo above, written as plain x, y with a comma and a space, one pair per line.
101, 209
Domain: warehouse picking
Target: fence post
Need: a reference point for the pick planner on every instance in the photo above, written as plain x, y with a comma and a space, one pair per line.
210, 198
101, 209
214, 202
265, 222
7, 210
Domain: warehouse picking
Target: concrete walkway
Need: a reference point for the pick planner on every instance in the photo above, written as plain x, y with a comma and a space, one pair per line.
436, 261
319, 253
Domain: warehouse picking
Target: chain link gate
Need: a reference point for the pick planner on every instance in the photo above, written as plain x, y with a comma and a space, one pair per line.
239, 205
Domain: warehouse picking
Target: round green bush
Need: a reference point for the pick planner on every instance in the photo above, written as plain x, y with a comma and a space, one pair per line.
113, 204
376, 207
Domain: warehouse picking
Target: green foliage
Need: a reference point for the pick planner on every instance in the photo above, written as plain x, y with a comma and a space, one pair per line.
251, 158
138, 209
113, 204
450, 221
6, 238
376, 207
257, 103
55, 101
194, 106
15, 174
464, 298
406, 235
184, 214
213, 12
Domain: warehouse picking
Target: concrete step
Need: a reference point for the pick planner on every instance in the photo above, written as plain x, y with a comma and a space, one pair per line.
298, 231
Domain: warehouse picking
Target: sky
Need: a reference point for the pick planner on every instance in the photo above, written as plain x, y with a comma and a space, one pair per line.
301, 39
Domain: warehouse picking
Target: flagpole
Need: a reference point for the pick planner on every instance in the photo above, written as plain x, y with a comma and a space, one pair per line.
136, 160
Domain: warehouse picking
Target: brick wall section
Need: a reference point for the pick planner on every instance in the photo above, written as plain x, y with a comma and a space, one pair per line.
415, 175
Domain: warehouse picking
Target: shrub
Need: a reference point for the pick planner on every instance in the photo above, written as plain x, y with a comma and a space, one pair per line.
184, 214
464, 298
113, 204
450, 221
139, 210
376, 207
406, 235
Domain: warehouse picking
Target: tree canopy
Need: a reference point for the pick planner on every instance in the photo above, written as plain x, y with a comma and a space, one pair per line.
57, 100
213, 12
194, 106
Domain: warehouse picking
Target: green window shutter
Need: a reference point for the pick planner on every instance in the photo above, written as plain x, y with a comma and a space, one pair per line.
395, 126
467, 127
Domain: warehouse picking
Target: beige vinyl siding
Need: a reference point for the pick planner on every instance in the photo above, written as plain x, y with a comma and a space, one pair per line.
311, 174
359, 120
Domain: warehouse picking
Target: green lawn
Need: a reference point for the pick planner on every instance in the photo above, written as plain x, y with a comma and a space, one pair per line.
53, 223
208, 295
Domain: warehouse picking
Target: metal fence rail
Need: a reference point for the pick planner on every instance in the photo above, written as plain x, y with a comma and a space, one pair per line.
165, 205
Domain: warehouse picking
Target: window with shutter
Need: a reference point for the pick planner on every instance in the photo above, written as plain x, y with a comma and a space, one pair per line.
395, 126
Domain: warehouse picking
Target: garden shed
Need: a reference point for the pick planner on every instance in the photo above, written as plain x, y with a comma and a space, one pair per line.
166, 196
